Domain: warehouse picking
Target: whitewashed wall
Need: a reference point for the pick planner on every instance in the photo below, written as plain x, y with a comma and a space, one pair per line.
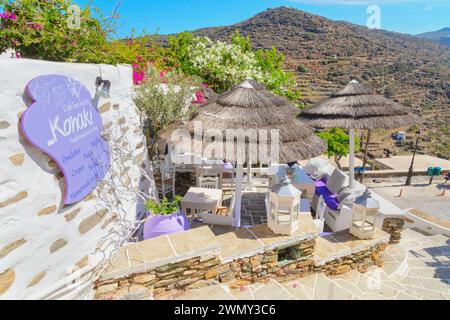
41, 242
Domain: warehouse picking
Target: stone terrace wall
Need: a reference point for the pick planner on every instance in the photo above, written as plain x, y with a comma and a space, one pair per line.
41, 241
209, 270
394, 226
360, 261
147, 269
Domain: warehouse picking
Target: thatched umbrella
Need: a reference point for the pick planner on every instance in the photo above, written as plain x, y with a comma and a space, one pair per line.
250, 106
357, 107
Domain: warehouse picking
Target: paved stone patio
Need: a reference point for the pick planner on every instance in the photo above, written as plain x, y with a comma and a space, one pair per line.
416, 269
253, 208
420, 195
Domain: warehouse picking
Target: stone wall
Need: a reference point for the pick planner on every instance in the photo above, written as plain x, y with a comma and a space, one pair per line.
42, 242
208, 270
284, 264
360, 261
394, 226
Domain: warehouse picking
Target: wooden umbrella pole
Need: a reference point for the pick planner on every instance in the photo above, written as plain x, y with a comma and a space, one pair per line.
248, 183
238, 196
366, 154
352, 159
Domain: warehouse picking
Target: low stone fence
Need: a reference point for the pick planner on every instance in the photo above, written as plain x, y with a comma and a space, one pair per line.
360, 261
256, 259
394, 226
209, 270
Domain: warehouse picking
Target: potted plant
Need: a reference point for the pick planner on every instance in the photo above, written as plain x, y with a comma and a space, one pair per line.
166, 218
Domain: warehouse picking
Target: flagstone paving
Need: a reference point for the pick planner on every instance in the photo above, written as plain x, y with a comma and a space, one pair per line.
253, 208
416, 269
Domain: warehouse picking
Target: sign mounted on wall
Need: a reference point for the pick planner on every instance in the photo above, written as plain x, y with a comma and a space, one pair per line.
63, 123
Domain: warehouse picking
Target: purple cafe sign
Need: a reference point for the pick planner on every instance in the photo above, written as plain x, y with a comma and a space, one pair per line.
63, 123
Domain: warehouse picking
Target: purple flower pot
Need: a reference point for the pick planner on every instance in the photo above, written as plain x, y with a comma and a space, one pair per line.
159, 225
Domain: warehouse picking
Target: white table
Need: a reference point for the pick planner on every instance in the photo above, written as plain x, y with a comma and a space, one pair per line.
198, 200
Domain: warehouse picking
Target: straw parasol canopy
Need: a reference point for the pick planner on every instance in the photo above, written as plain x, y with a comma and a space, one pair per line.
358, 107
250, 106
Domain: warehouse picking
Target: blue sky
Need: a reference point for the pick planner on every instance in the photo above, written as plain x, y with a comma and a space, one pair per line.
171, 16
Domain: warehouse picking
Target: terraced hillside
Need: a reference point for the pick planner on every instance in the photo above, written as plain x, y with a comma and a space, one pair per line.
325, 55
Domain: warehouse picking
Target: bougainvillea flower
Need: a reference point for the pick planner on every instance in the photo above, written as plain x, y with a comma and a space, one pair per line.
138, 77
35, 26
8, 16
199, 97
163, 74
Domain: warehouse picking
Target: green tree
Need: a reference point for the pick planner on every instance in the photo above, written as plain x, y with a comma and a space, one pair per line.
338, 144
243, 42
178, 52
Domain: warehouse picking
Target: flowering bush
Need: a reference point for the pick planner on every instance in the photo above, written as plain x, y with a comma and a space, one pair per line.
163, 98
39, 29
223, 65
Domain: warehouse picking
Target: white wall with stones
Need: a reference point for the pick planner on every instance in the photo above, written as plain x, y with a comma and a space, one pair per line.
42, 243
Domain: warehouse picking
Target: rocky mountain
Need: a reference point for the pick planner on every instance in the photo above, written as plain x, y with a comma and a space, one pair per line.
441, 36
325, 55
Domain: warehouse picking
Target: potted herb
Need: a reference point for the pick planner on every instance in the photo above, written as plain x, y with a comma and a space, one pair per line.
166, 218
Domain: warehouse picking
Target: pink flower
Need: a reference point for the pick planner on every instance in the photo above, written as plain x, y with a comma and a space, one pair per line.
139, 58
138, 77
199, 97
163, 74
18, 55
205, 85
8, 16
35, 26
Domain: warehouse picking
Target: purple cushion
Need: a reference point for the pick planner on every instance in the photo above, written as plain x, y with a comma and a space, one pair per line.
330, 198
332, 202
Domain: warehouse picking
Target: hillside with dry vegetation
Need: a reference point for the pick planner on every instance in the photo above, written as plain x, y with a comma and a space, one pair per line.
325, 55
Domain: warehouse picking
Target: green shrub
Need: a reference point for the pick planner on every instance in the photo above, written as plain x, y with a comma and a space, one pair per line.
222, 65
164, 208
41, 30
302, 69
163, 98
338, 144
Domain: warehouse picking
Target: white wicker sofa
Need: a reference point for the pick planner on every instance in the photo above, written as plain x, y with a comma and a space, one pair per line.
340, 218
